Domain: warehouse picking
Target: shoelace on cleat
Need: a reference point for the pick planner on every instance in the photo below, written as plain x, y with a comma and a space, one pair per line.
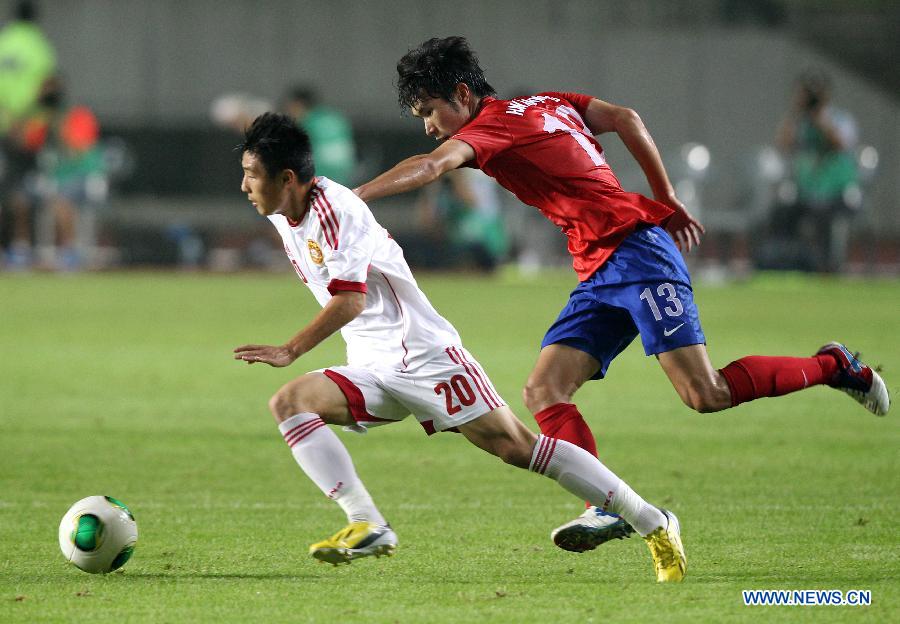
341, 536
662, 549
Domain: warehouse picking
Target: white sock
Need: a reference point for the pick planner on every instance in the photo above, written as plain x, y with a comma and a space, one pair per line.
586, 477
326, 461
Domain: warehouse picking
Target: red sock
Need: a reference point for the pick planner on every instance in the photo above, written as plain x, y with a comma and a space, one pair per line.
564, 422
758, 376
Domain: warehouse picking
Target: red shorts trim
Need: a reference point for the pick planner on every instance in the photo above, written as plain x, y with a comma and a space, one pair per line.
428, 426
355, 399
357, 404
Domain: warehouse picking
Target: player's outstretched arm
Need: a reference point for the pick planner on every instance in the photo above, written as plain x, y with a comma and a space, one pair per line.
417, 171
605, 117
343, 307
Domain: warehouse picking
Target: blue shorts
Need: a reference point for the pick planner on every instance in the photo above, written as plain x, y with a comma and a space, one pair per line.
644, 288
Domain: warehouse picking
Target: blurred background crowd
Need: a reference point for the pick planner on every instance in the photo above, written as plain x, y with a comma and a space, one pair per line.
778, 120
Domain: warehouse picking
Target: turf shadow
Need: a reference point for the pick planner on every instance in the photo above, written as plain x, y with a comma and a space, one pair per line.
221, 575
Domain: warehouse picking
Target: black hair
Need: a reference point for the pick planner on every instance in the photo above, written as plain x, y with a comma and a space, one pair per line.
816, 87
279, 144
303, 93
435, 68
53, 93
26, 11
815, 80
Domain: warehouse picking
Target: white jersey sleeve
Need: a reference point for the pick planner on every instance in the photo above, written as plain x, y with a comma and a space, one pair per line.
350, 233
339, 246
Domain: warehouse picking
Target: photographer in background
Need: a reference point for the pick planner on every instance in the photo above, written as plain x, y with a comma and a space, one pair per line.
27, 62
329, 130
819, 141
461, 222
69, 177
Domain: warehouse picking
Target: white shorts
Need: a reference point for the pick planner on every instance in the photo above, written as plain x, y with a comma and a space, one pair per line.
449, 390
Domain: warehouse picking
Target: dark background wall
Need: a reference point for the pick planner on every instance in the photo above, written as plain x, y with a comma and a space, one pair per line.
719, 73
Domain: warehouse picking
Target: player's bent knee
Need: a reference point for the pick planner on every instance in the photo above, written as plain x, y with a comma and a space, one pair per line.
538, 396
312, 393
701, 405
289, 400
280, 406
704, 398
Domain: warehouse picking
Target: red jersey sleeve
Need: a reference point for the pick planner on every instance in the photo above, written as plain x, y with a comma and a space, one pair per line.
487, 134
578, 100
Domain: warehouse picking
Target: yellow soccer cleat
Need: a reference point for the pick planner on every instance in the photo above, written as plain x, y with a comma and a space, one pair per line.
667, 550
356, 540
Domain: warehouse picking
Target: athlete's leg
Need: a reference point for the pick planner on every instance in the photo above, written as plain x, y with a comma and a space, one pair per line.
579, 346
663, 309
699, 385
479, 413
500, 433
756, 376
302, 408
311, 393
559, 372
705, 389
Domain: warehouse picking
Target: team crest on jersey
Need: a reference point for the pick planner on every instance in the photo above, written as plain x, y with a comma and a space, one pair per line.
315, 252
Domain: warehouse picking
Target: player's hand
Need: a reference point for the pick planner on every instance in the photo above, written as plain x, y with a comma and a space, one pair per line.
683, 227
267, 354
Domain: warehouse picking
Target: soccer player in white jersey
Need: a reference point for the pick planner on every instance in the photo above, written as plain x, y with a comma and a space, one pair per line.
402, 358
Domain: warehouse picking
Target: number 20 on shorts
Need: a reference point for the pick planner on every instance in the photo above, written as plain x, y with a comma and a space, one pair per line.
458, 387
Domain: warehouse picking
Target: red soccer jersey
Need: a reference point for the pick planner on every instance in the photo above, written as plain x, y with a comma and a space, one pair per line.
539, 148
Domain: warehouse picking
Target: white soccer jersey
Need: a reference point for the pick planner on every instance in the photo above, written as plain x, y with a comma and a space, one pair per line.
338, 246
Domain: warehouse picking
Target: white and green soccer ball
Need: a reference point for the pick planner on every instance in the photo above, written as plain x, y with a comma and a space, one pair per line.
98, 534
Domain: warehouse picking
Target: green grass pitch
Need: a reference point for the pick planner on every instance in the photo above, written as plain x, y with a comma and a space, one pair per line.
123, 384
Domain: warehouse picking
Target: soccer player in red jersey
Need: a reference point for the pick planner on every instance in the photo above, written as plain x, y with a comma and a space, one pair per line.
625, 250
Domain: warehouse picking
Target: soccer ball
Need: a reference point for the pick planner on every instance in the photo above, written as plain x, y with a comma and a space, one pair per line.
98, 534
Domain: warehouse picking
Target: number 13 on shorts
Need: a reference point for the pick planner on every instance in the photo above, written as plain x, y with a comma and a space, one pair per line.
665, 292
